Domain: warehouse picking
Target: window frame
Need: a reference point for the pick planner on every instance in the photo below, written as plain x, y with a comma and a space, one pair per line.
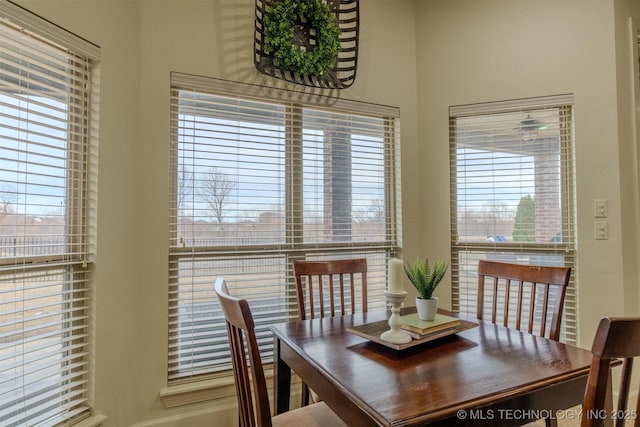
565, 248
70, 267
293, 246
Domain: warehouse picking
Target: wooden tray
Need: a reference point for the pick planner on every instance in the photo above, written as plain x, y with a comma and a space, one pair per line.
372, 331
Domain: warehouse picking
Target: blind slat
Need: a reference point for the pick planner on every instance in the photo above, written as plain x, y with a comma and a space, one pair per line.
257, 183
46, 197
512, 191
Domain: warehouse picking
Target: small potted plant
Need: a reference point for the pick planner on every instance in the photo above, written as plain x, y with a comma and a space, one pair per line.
426, 279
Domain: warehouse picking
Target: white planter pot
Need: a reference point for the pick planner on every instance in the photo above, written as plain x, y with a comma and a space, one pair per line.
427, 308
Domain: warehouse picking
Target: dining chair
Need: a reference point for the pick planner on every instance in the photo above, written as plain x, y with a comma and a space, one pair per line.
326, 287
527, 290
251, 386
524, 295
616, 339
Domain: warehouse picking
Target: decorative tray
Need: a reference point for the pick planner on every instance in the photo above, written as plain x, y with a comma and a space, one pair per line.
372, 331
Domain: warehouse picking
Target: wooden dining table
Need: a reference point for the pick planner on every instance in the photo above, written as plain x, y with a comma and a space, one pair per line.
487, 375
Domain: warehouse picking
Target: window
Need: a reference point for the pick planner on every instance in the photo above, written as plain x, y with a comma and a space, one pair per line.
512, 192
46, 247
260, 179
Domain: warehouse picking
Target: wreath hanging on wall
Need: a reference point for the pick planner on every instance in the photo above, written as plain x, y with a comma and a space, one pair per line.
288, 26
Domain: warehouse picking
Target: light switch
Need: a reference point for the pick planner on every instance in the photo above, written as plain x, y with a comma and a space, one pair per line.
600, 208
601, 230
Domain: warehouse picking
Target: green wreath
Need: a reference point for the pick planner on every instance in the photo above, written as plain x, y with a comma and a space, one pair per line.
279, 31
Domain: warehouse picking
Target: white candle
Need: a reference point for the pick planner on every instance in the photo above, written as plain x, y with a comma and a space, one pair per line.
395, 276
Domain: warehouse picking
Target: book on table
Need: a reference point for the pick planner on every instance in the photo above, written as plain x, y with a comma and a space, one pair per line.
419, 328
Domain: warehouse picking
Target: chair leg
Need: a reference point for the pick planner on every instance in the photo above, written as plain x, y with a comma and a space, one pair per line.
551, 422
304, 401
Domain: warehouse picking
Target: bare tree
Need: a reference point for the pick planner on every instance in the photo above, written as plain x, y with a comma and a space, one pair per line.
378, 209
215, 188
374, 212
8, 196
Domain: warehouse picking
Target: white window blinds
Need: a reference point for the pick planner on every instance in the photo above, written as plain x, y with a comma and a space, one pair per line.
512, 191
259, 179
45, 247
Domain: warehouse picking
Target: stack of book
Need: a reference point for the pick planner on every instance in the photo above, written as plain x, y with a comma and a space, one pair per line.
419, 329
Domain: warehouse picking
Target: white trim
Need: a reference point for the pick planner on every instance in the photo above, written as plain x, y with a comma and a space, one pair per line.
92, 421
511, 105
279, 148
217, 389
63, 63
217, 415
198, 391
231, 88
31, 23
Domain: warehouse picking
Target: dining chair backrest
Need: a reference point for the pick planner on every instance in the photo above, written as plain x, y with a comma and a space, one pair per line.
616, 338
245, 355
251, 386
324, 288
524, 295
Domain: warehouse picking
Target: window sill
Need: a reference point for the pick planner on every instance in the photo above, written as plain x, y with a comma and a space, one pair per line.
212, 389
92, 421
200, 391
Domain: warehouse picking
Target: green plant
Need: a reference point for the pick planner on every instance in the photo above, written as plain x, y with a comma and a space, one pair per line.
524, 227
424, 277
280, 28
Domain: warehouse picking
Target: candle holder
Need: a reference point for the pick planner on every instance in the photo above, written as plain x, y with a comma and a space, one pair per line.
395, 335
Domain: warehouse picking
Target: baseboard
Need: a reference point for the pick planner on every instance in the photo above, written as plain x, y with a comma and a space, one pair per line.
219, 416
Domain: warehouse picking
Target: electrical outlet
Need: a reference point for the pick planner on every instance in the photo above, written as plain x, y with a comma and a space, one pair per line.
600, 208
601, 230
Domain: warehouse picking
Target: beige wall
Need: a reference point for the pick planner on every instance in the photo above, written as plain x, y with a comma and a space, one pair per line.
142, 42
473, 51
453, 52
629, 138
114, 26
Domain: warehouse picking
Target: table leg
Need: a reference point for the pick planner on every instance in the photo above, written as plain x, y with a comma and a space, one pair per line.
281, 380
